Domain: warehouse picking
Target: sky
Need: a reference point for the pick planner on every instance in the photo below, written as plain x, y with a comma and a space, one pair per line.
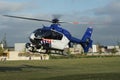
104, 14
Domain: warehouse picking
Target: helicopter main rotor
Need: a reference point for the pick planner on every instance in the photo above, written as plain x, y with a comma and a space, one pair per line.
55, 20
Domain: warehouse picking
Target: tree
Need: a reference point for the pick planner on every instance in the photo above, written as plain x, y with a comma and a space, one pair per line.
4, 41
114, 50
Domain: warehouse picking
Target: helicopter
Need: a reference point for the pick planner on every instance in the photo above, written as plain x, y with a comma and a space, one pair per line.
54, 37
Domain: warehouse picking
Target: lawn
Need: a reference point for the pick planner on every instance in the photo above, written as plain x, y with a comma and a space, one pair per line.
62, 69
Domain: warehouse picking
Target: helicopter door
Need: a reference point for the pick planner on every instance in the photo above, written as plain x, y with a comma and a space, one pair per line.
58, 40
60, 43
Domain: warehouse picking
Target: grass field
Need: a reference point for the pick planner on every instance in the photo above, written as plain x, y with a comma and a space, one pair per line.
62, 69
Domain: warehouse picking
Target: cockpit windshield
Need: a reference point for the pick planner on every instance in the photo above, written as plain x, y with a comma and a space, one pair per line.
39, 32
48, 34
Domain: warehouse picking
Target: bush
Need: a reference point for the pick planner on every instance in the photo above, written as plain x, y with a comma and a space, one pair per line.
70, 56
24, 54
27, 54
1, 51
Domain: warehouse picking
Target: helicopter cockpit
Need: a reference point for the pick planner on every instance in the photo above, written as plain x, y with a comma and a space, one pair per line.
46, 34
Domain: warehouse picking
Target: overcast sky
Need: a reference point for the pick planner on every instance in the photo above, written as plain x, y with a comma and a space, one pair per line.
104, 14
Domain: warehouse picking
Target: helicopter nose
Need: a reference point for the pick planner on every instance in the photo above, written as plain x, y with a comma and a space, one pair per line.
32, 36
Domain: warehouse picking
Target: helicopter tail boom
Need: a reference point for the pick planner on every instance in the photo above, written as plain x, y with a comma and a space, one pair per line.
86, 41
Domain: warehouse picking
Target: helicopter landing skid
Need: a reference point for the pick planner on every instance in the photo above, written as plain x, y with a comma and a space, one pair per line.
42, 50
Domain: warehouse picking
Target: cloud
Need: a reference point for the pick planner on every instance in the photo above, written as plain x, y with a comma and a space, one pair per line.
109, 18
6, 7
106, 22
110, 9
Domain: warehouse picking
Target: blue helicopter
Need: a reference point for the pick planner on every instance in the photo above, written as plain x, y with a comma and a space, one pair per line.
54, 37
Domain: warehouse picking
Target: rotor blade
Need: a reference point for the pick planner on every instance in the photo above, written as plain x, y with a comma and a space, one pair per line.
75, 22
62, 22
27, 18
79, 22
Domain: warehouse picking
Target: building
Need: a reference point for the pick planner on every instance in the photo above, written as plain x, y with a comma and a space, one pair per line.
94, 48
14, 55
76, 49
20, 47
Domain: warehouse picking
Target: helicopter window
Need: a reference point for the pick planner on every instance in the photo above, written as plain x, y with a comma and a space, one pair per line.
53, 35
39, 32
49, 34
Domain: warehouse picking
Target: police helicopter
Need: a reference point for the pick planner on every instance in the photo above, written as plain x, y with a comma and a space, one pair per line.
54, 37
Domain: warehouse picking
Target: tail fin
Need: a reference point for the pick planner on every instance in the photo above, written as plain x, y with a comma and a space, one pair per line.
86, 41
